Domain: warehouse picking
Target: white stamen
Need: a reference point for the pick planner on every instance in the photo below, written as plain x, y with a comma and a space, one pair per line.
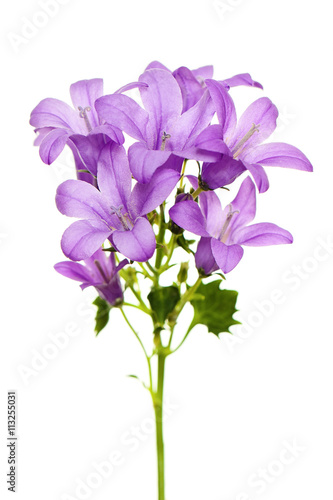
124, 219
238, 148
83, 114
165, 136
227, 221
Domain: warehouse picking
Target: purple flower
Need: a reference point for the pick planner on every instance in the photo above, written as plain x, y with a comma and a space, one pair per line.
240, 142
100, 271
192, 82
57, 124
162, 130
115, 211
224, 232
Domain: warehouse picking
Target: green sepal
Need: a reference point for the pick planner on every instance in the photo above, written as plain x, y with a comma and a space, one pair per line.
185, 244
162, 302
102, 315
214, 307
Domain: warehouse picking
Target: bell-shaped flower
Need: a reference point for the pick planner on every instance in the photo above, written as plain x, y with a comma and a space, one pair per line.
99, 270
58, 124
224, 232
162, 131
240, 142
192, 82
114, 211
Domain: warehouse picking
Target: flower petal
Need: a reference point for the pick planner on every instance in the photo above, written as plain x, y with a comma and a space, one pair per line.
204, 72
242, 79
190, 87
244, 204
113, 174
190, 124
81, 240
89, 148
211, 208
204, 258
157, 64
211, 139
279, 154
226, 256
130, 86
262, 113
225, 108
187, 214
146, 197
113, 133
262, 234
73, 270
54, 113
124, 113
82, 200
53, 144
259, 175
144, 162
163, 101
137, 244
41, 133
221, 173
84, 94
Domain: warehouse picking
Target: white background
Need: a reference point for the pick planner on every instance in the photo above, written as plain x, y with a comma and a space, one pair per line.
232, 407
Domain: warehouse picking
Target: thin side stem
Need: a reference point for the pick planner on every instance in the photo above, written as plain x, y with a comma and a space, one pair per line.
143, 348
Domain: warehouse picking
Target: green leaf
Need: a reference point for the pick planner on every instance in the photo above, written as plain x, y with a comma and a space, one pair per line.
214, 307
102, 315
162, 301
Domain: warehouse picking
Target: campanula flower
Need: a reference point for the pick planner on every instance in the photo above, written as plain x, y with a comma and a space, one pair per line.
192, 82
58, 124
162, 131
224, 232
114, 211
239, 142
99, 270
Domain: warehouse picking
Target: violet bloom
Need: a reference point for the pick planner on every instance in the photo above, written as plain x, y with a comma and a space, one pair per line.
114, 211
240, 142
224, 232
100, 271
192, 82
164, 133
57, 124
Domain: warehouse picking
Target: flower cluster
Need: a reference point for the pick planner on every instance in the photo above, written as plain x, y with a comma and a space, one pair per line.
181, 115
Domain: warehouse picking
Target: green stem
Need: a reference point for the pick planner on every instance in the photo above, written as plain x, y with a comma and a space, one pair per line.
145, 272
144, 308
196, 193
171, 248
143, 348
160, 238
158, 407
179, 307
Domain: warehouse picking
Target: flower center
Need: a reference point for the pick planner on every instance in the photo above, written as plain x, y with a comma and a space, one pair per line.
124, 218
83, 114
227, 222
239, 146
165, 137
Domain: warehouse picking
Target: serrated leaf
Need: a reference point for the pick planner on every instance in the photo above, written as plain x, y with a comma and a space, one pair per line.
162, 301
214, 307
102, 315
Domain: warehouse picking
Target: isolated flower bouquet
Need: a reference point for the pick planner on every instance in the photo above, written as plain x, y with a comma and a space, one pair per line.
157, 207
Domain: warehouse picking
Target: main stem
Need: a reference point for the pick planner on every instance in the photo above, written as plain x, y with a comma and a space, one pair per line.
158, 406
